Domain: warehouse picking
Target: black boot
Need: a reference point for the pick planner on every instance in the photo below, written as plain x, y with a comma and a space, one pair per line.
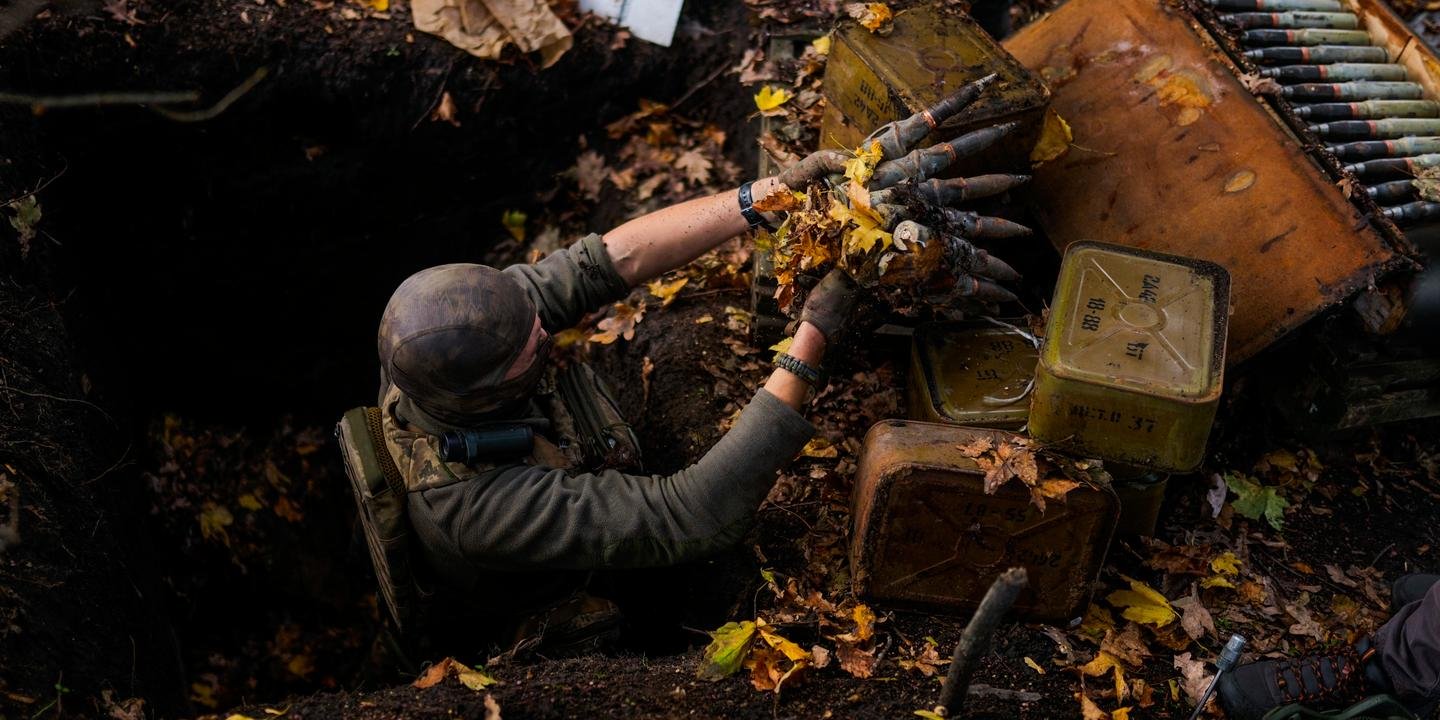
1410, 588
1318, 682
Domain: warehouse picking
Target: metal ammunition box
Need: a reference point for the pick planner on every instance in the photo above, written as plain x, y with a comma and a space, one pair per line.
968, 374
1172, 153
927, 536
871, 80
1133, 357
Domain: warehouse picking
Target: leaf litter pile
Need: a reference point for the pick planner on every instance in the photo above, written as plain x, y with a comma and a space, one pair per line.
1249, 545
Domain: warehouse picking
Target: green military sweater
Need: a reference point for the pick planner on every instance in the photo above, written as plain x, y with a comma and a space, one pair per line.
471, 523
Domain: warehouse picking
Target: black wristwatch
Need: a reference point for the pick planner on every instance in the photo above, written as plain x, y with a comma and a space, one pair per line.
748, 211
813, 376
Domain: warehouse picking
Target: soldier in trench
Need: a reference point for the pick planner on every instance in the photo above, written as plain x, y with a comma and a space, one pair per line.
465, 347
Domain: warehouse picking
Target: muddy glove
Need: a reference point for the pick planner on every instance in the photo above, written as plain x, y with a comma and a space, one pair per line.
815, 167
829, 305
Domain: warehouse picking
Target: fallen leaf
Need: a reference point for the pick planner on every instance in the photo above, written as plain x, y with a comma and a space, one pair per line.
1226, 564
695, 166
1055, 138
977, 447
855, 660
819, 657
728, 648
819, 447
822, 44
1034, 665
769, 98
666, 291
1143, 604
620, 324
492, 708
590, 173
875, 17
1193, 678
213, 521
1089, 710
861, 167
1194, 618
1254, 501
782, 347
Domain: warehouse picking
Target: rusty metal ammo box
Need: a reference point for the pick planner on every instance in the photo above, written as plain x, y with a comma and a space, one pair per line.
969, 374
1172, 152
927, 536
1133, 358
871, 80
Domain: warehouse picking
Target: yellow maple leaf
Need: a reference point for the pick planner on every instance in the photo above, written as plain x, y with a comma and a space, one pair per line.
865, 234
1120, 714
378, 5
666, 291
822, 44
1055, 138
1225, 564
1143, 604
862, 166
770, 98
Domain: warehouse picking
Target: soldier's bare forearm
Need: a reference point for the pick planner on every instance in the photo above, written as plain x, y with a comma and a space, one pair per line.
669, 238
807, 347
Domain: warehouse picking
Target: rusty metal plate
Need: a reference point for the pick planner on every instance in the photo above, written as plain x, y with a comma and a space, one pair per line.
1172, 153
927, 536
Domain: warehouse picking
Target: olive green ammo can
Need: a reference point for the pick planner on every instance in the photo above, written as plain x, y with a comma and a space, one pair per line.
871, 80
1133, 358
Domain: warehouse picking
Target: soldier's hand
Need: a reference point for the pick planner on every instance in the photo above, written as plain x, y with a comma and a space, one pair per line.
830, 304
815, 167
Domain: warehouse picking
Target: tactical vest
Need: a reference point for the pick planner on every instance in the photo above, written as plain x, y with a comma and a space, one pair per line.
386, 461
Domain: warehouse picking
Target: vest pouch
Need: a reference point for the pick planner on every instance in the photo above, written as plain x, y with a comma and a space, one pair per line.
606, 440
380, 496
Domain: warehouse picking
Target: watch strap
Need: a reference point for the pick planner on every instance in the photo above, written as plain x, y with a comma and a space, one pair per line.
748, 211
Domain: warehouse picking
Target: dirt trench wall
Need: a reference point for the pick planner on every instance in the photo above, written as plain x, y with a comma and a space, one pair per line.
233, 270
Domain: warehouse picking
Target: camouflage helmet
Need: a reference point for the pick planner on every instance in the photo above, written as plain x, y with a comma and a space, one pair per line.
450, 334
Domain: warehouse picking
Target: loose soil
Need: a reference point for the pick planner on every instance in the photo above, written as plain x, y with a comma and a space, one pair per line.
203, 297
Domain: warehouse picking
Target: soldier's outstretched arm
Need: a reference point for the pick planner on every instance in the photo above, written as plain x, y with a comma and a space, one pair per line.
527, 516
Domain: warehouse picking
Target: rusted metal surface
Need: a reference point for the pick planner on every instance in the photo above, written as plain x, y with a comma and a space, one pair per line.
1172, 153
871, 80
926, 535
